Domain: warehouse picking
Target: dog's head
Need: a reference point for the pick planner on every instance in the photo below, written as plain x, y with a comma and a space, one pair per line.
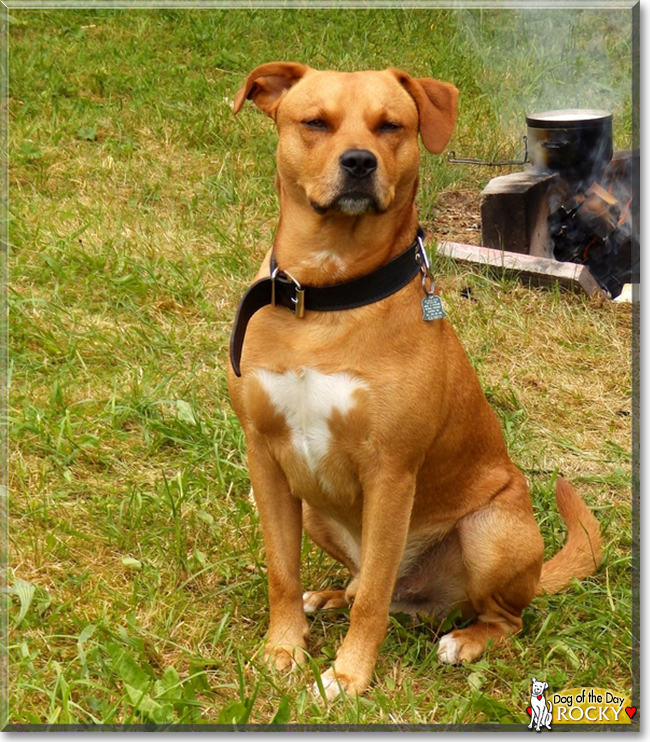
348, 140
538, 687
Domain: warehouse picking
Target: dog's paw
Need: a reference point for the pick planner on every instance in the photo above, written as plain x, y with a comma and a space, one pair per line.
284, 657
319, 600
454, 650
337, 684
468, 644
449, 650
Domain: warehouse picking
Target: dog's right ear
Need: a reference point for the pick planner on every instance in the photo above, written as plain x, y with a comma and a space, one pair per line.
266, 84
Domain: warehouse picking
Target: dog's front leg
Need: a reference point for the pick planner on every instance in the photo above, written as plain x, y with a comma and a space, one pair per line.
281, 520
387, 508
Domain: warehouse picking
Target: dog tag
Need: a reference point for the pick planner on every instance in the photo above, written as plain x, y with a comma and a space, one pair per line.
432, 308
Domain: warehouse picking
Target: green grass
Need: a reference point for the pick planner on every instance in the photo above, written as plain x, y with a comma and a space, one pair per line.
139, 208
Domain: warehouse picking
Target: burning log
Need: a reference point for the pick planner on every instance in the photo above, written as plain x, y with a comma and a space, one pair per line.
594, 227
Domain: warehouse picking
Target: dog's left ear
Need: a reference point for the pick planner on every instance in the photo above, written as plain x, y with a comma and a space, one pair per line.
266, 84
437, 103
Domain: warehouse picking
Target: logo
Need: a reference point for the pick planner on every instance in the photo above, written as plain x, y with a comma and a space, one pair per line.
577, 706
540, 710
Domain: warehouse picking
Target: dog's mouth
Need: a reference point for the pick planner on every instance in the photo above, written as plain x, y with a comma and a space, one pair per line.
353, 203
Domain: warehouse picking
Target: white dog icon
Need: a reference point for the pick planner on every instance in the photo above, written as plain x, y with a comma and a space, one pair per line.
540, 708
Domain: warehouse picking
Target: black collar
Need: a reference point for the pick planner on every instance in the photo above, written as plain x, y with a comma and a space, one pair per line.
281, 288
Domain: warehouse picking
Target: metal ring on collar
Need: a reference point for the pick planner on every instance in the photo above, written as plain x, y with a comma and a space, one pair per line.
298, 300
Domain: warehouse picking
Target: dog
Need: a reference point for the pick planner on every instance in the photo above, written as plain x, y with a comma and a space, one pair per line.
365, 422
540, 709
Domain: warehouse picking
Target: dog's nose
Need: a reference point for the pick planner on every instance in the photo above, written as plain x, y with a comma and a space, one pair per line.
359, 163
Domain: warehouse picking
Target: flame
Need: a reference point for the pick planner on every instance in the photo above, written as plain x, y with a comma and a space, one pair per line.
594, 241
625, 210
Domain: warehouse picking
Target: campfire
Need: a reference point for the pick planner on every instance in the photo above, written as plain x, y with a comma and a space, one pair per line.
595, 227
577, 203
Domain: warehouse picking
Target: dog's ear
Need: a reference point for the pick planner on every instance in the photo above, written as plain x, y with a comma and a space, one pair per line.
436, 102
266, 84
533, 679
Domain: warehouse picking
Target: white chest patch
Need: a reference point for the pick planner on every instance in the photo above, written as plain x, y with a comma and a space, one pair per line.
307, 399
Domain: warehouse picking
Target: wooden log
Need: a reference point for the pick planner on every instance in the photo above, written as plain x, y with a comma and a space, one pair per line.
514, 212
536, 270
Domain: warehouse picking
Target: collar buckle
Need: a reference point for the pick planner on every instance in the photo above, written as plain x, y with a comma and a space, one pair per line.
298, 300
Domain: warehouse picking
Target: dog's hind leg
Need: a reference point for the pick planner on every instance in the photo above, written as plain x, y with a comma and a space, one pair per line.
339, 544
323, 600
548, 715
502, 550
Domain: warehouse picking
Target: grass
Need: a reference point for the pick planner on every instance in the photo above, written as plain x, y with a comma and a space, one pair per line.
139, 208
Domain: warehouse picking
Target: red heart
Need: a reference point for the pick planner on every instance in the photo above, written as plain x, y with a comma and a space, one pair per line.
630, 711
530, 711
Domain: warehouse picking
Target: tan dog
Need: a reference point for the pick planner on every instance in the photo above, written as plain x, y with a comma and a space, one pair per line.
367, 427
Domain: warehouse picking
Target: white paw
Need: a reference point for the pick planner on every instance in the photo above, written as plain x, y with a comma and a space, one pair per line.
310, 601
331, 686
448, 650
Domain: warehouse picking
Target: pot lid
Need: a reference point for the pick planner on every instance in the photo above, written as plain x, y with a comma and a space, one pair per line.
573, 118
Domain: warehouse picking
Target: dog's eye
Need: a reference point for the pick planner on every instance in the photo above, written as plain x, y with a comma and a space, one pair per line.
316, 124
390, 126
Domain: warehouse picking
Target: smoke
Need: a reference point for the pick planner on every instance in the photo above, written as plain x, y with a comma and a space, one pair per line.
535, 60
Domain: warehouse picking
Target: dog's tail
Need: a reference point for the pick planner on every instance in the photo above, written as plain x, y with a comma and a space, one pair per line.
582, 552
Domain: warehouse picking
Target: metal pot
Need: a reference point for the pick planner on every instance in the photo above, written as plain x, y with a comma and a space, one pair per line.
575, 142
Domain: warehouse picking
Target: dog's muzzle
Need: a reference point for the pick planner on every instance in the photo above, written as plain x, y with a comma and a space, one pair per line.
357, 185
